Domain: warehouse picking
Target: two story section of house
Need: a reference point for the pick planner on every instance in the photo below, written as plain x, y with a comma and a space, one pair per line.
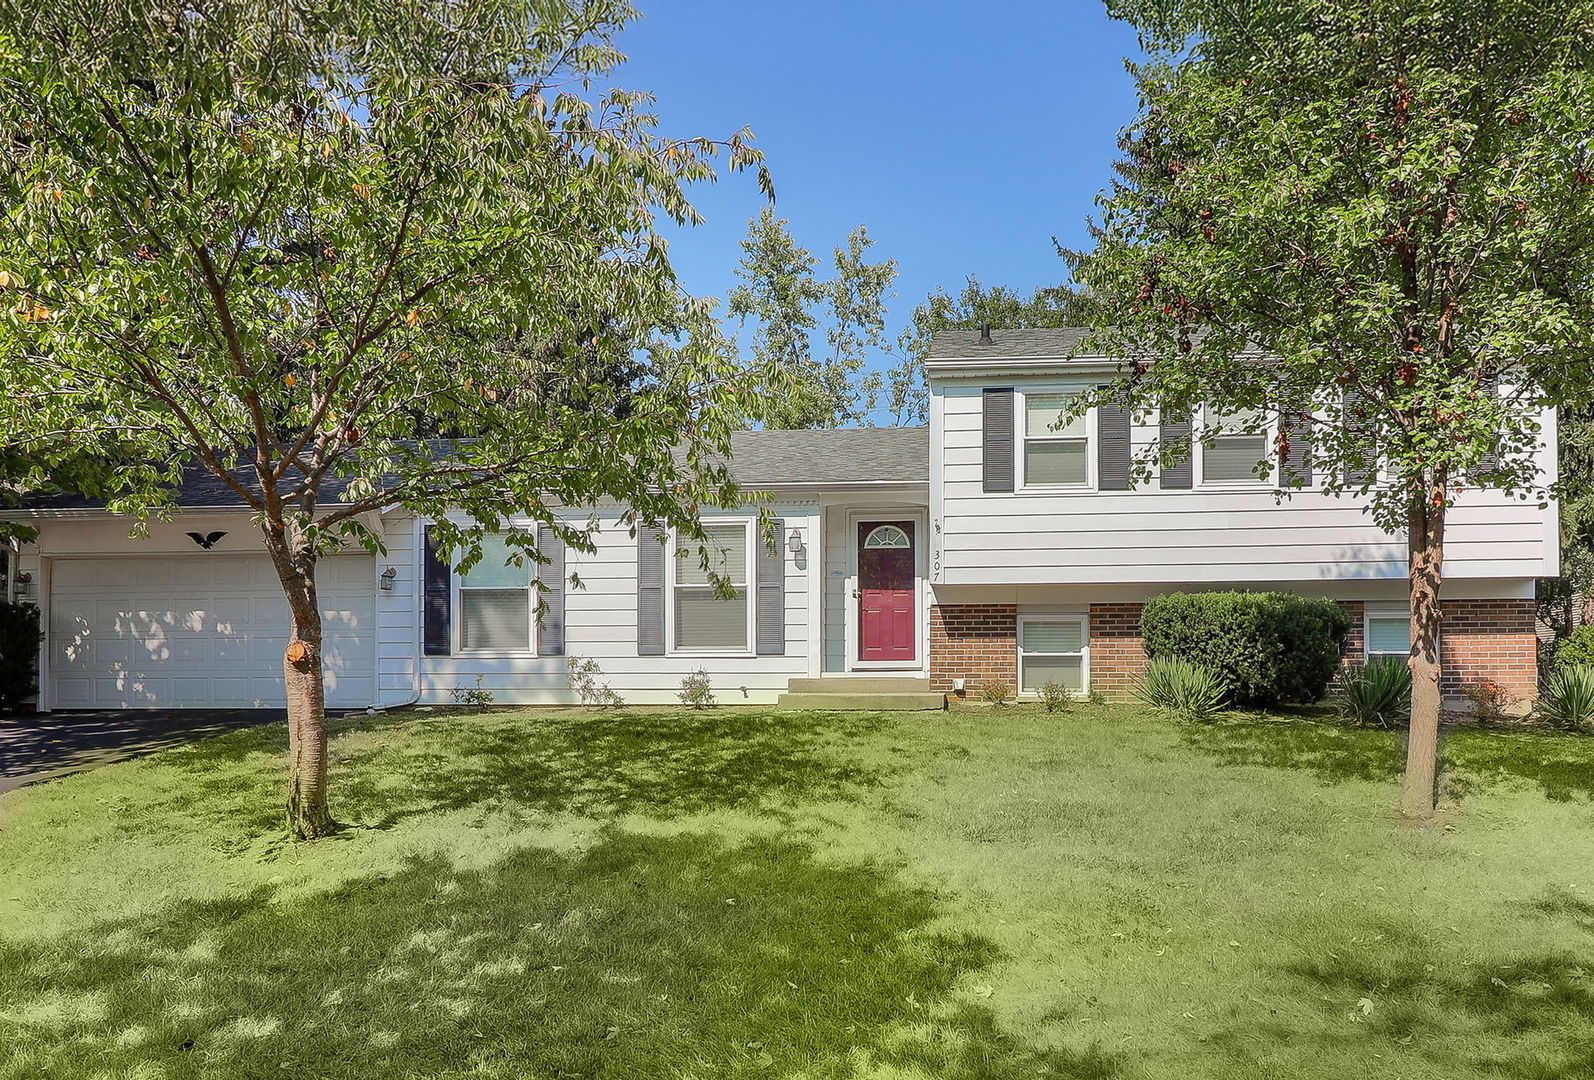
1044, 551
991, 547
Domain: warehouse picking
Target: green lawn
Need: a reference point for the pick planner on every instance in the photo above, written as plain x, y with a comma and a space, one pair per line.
994, 894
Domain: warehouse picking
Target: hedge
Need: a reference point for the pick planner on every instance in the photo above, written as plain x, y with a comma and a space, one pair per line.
1267, 648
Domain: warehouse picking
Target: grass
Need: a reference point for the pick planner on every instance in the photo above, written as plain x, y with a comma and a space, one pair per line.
988, 895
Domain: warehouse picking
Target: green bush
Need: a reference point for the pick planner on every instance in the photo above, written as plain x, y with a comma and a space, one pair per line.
1187, 690
1265, 648
20, 635
1568, 697
1576, 648
696, 693
1378, 692
1056, 697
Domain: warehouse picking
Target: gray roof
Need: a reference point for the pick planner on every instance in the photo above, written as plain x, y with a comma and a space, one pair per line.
835, 456
1008, 344
832, 456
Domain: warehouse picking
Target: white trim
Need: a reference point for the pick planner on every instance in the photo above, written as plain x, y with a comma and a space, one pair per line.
749, 589
918, 514
1081, 617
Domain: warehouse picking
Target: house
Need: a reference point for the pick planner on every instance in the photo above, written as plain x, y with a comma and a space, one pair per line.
986, 547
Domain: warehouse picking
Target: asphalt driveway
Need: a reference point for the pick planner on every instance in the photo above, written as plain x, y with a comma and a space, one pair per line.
34, 748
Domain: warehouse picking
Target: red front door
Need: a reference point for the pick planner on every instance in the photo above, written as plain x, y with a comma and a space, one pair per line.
888, 628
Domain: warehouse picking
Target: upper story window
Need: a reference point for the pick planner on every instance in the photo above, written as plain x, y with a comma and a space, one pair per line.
1054, 456
1232, 456
495, 600
704, 620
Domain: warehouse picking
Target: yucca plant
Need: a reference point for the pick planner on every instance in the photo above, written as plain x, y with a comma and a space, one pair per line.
1187, 690
1377, 692
1568, 697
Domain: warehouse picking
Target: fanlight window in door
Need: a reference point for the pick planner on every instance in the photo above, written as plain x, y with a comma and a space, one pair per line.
886, 536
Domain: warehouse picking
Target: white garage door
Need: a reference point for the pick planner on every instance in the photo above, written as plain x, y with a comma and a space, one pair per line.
199, 631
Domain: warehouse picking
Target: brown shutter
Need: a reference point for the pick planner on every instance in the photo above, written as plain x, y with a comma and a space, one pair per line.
437, 600
1178, 474
997, 439
551, 591
770, 614
650, 593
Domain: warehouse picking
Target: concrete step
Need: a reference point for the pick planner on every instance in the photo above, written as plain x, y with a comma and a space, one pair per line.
860, 684
873, 702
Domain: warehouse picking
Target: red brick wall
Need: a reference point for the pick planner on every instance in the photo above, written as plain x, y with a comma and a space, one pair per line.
974, 642
1489, 639
1117, 655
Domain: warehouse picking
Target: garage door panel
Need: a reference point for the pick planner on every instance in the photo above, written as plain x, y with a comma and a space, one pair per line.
199, 631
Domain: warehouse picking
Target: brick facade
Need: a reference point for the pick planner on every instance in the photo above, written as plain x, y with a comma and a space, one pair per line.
974, 642
1481, 640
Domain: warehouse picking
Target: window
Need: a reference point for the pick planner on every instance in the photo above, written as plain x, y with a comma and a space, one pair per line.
495, 600
704, 620
1232, 458
1051, 649
1388, 634
886, 537
1054, 457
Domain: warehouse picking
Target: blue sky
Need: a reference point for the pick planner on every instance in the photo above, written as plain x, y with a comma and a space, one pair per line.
964, 135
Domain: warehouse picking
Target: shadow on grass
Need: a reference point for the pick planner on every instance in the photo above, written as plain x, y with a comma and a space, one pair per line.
643, 957
1526, 1019
1331, 752
1560, 764
595, 764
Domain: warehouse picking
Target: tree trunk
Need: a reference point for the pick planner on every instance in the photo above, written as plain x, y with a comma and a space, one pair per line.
1426, 544
308, 815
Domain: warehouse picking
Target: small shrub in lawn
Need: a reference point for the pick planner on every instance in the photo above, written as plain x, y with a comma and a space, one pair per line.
696, 692
1377, 692
1568, 696
1577, 647
1096, 697
586, 682
1266, 648
1056, 697
1187, 690
996, 692
478, 696
1489, 700
20, 635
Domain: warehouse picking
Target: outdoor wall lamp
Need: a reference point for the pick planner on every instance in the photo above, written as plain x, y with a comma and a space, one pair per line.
794, 542
24, 584
388, 577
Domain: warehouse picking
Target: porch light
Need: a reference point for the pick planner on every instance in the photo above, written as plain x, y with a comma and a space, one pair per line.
24, 585
388, 577
794, 542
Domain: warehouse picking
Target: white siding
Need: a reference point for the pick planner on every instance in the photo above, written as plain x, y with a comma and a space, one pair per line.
1148, 536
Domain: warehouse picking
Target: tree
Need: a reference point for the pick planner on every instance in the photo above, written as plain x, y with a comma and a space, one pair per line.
1375, 221
977, 305
786, 304
291, 244
1560, 599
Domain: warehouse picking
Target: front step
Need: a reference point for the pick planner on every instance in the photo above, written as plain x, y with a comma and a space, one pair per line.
875, 693
860, 684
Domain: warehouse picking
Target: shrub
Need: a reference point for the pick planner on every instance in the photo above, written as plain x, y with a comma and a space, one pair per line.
1265, 648
696, 692
1378, 692
1187, 690
20, 636
586, 682
1056, 697
1489, 700
1577, 647
477, 695
1568, 697
996, 692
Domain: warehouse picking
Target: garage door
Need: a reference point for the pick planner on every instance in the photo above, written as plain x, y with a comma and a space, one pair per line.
199, 631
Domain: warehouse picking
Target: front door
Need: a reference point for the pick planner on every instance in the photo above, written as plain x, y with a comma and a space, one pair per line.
888, 626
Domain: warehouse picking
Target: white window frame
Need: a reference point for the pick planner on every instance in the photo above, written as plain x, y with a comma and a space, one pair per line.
1083, 619
750, 534
1251, 482
457, 619
1025, 437
1371, 612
